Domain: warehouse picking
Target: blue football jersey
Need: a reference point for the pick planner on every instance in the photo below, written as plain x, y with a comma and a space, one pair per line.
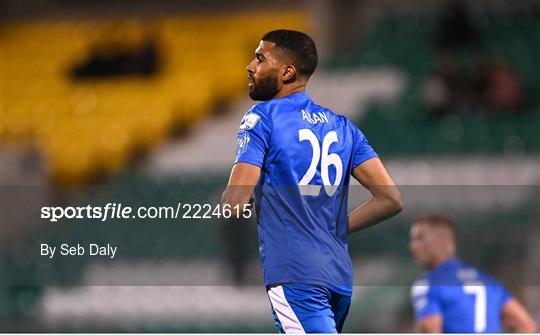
468, 300
306, 154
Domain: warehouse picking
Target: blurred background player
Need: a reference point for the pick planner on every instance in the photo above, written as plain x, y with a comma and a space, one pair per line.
455, 297
301, 155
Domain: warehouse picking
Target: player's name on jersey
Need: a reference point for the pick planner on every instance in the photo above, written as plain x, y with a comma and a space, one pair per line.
314, 118
64, 249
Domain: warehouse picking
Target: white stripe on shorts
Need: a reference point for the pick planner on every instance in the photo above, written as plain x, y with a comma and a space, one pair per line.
284, 312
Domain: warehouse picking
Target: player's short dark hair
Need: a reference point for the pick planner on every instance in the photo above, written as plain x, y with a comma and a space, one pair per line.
298, 46
438, 220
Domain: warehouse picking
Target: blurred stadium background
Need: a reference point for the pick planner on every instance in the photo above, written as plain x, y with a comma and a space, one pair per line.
140, 101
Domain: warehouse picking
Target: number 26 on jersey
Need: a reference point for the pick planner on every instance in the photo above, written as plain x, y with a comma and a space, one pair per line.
326, 159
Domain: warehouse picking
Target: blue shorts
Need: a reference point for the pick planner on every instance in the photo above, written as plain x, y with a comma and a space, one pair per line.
300, 308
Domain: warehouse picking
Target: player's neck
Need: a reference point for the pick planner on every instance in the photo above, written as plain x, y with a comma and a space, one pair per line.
289, 89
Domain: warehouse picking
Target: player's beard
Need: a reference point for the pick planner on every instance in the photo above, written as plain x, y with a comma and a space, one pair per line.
264, 89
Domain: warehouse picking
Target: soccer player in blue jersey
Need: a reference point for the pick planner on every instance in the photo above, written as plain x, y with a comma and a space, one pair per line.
455, 297
296, 158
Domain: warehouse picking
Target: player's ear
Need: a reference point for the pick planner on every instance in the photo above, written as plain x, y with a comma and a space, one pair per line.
289, 74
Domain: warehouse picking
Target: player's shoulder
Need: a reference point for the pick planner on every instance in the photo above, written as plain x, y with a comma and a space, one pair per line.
329, 112
338, 119
420, 287
255, 114
258, 108
264, 111
466, 272
469, 274
474, 274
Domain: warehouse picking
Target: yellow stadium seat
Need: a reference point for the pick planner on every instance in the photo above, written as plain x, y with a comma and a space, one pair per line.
95, 125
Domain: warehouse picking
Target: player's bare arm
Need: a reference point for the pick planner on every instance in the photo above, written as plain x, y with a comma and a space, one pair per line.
429, 324
242, 181
516, 318
386, 200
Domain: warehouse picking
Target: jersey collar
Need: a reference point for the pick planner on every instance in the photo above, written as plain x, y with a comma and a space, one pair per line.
450, 262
